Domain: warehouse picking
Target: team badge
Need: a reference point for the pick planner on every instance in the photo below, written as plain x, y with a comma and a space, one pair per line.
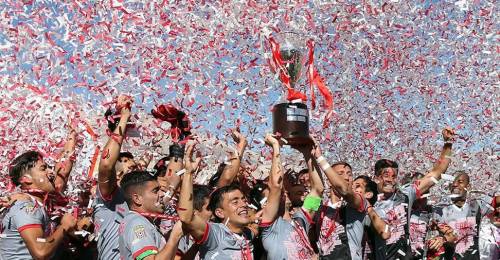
29, 209
140, 231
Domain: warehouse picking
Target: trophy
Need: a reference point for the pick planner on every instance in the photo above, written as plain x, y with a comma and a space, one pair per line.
291, 118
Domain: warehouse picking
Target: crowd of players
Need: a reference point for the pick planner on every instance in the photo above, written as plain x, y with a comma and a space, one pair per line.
136, 213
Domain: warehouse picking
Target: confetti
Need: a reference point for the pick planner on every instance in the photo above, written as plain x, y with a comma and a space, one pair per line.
398, 73
181, 172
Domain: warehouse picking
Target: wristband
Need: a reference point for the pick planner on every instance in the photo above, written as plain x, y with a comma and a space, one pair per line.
312, 203
146, 254
320, 159
324, 166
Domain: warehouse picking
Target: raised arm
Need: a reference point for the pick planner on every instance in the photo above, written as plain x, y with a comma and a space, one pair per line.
338, 182
111, 151
175, 165
230, 171
441, 165
194, 224
312, 201
315, 180
378, 224
270, 211
65, 163
41, 247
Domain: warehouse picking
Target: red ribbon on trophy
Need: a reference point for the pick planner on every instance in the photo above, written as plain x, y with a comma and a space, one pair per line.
313, 77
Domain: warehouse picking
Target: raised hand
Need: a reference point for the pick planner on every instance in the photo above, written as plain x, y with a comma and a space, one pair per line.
448, 134
124, 105
189, 164
239, 139
316, 149
272, 141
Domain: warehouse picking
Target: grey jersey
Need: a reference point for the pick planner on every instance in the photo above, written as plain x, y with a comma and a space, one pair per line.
219, 243
284, 239
108, 213
396, 212
337, 220
138, 237
465, 223
419, 221
186, 244
22, 215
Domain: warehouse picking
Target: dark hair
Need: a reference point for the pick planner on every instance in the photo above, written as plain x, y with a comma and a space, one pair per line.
21, 164
125, 155
302, 172
134, 179
200, 194
384, 163
343, 164
370, 186
256, 194
460, 173
161, 166
218, 195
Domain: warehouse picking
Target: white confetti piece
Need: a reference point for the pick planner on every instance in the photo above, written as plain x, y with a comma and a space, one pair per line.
447, 177
181, 172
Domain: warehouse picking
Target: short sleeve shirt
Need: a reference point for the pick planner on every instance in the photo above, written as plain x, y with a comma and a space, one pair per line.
419, 221
396, 211
185, 244
284, 239
22, 215
220, 243
489, 240
108, 213
138, 237
464, 221
332, 228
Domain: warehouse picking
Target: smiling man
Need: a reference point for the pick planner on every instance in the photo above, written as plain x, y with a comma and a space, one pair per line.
341, 222
229, 237
139, 236
25, 225
285, 235
395, 203
464, 217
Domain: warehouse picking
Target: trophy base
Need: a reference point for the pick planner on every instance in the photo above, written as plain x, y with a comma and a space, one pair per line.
291, 120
